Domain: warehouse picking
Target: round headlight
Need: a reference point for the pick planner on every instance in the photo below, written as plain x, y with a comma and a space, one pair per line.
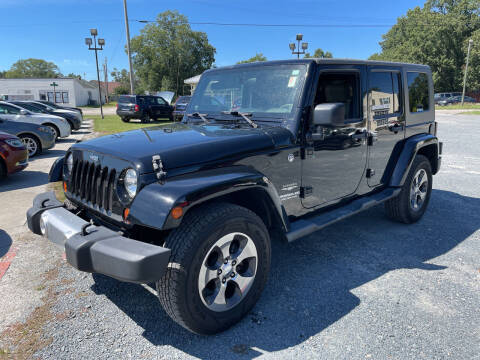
130, 182
69, 165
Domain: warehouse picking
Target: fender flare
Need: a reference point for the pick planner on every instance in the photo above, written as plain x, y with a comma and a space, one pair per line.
55, 173
152, 205
410, 149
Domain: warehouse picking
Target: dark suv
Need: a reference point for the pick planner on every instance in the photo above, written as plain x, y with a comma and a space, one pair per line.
143, 107
266, 150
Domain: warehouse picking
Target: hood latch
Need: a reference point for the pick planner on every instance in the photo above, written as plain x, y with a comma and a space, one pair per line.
158, 168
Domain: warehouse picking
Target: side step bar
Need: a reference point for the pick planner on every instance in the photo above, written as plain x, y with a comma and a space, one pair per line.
304, 227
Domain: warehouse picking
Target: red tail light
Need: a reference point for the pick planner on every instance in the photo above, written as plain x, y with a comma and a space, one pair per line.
137, 108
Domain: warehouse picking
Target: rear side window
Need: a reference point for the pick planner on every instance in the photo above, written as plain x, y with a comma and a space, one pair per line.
385, 92
418, 92
126, 99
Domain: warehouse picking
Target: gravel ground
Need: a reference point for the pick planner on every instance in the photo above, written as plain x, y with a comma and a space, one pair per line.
364, 288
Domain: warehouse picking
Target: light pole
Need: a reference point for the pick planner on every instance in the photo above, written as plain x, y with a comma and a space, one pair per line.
470, 42
54, 84
101, 42
128, 46
293, 46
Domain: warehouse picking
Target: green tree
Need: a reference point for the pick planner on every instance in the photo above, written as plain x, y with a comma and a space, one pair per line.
121, 76
257, 57
168, 51
33, 68
434, 35
72, 75
2, 74
123, 89
319, 54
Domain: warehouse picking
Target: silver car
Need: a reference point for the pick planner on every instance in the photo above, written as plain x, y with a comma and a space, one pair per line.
59, 126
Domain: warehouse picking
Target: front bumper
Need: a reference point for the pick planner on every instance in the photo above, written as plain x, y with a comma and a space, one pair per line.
97, 249
17, 161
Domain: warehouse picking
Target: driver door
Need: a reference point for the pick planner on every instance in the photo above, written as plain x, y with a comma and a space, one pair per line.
336, 157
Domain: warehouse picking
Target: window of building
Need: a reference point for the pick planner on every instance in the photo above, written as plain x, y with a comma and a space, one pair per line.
50, 96
340, 88
65, 97
58, 97
418, 92
42, 94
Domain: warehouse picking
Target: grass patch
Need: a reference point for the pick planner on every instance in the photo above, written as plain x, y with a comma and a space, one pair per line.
57, 188
109, 104
458, 107
112, 124
470, 113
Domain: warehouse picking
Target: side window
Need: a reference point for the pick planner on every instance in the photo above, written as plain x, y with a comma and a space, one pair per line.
418, 92
340, 88
385, 92
160, 101
5, 109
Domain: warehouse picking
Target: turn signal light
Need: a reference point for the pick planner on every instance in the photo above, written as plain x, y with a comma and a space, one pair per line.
177, 212
65, 186
137, 108
126, 212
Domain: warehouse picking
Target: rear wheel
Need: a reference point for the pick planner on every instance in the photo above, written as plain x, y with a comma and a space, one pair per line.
410, 205
31, 143
145, 119
54, 130
125, 119
218, 268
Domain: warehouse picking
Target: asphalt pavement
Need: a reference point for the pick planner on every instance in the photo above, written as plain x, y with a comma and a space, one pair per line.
364, 288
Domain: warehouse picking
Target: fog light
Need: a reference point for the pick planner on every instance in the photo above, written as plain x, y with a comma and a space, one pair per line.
43, 227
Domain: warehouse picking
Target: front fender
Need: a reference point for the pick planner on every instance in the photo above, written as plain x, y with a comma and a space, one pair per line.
55, 173
410, 149
152, 206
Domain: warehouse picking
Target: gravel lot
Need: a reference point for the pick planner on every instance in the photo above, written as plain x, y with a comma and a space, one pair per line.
364, 288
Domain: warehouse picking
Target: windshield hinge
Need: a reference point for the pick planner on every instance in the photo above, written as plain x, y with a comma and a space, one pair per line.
158, 168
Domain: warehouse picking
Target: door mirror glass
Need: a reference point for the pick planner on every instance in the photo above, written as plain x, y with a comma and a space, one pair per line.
23, 112
329, 114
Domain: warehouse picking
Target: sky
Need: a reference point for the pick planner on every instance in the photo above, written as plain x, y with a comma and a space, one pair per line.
54, 30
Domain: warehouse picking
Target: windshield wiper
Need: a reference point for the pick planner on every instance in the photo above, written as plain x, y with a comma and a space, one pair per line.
243, 115
197, 115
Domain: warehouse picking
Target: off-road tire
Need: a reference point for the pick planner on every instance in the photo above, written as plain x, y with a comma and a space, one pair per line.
178, 290
399, 208
125, 119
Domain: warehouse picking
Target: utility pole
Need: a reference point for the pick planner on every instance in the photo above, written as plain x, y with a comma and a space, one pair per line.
128, 46
105, 73
470, 42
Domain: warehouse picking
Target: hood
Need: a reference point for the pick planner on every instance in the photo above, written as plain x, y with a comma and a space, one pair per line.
167, 96
181, 145
5, 136
46, 117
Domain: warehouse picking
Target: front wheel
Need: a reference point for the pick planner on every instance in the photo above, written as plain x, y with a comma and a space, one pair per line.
32, 144
125, 119
410, 205
218, 268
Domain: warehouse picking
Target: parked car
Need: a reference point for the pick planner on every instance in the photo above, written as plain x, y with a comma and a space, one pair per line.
180, 106
143, 107
59, 126
198, 201
445, 95
74, 118
56, 106
13, 154
456, 100
36, 138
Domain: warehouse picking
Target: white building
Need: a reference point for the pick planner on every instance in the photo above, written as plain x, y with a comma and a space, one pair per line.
193, 82
68, 91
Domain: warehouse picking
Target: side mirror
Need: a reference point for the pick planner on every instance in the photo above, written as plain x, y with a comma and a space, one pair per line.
23, 112
329, 114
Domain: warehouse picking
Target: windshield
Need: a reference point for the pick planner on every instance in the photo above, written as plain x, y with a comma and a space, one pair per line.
264, 90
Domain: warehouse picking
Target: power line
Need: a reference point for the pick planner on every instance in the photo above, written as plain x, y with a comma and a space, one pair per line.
278, 25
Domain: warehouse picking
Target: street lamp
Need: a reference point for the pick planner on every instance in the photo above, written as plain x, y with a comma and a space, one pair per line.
470, 43
101, 42
304, 46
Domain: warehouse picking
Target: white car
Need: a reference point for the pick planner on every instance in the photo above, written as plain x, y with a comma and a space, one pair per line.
58, 125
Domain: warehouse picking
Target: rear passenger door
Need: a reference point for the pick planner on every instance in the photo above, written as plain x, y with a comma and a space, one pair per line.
386, 119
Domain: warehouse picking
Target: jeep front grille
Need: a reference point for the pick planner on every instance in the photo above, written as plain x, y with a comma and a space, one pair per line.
92, 184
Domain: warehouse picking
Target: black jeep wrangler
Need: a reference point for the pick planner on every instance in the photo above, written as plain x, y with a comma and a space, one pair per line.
143, 107
279, 148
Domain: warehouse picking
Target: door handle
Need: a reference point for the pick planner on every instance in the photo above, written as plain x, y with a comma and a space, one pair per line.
396, 128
